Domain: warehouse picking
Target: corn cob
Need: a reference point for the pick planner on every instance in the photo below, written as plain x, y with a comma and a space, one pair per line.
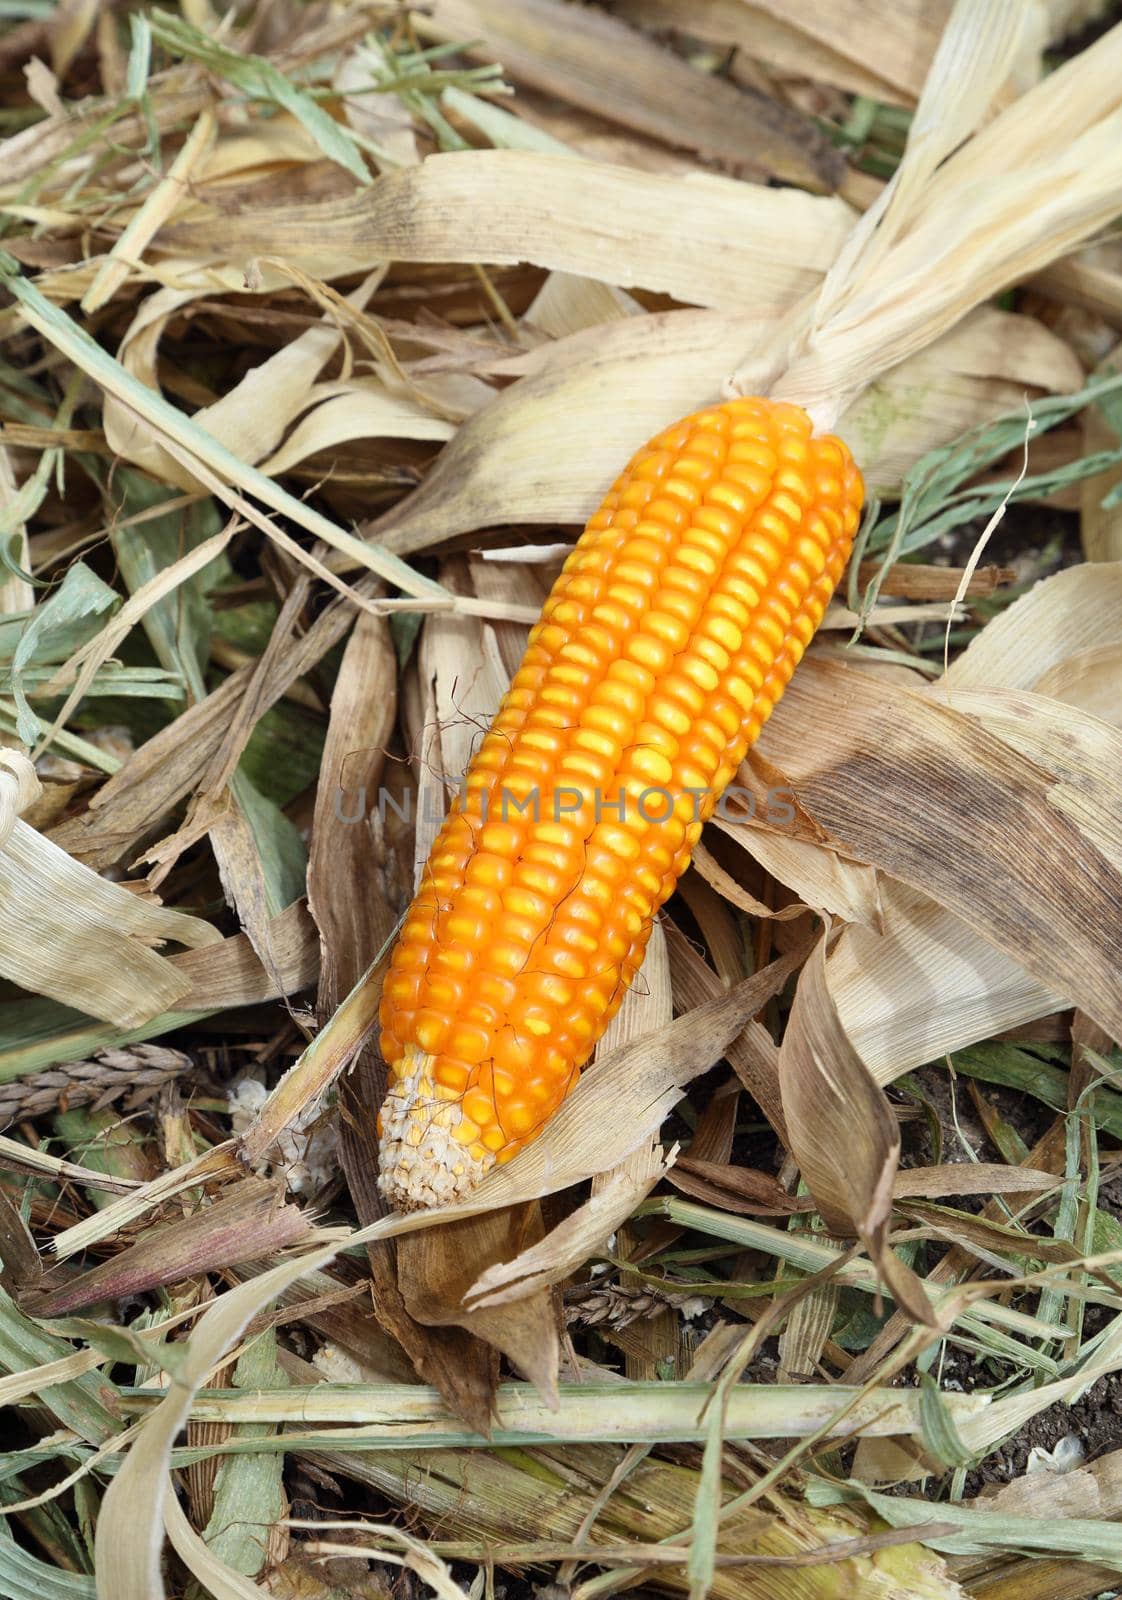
661, 651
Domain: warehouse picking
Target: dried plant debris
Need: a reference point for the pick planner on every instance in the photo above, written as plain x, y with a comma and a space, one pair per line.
324, 327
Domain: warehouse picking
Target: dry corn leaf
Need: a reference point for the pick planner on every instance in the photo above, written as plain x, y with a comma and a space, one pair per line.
1086, 1491
841, 1131
995, 849
230, 973
250, 420
596, 62
751, 1193
1090, 679
260, 147
725, 885
752, 1054
74, 936
1074, 610
353, 925
218, 976
568, 304
436, 1268
882, 49
735, 245
1090, 279
733, 1188
573, 1241
979, 370
1082, 752
547, 448
819, 876
928, 982
974, 53
340, 412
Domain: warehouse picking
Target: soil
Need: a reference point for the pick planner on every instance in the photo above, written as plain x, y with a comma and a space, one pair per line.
1095, 1420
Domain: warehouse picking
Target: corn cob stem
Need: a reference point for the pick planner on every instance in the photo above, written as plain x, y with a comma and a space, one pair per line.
661, 651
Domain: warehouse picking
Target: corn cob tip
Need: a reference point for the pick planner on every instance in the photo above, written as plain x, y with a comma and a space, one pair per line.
422, 1163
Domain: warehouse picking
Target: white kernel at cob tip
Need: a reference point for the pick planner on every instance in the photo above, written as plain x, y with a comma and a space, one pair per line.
422, 1163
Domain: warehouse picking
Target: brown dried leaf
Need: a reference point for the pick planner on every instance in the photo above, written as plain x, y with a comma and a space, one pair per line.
734, 1188
438, 1267
752, 1054
843, 1134
230, 973
972, 1177
841, 1131
596, 62
20, 1265
584, 1231
882, 49
866, 757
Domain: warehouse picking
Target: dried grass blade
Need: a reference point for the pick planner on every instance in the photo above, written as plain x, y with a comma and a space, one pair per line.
130, 1529
206, 455
84, 664
17, 1157
157, 208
